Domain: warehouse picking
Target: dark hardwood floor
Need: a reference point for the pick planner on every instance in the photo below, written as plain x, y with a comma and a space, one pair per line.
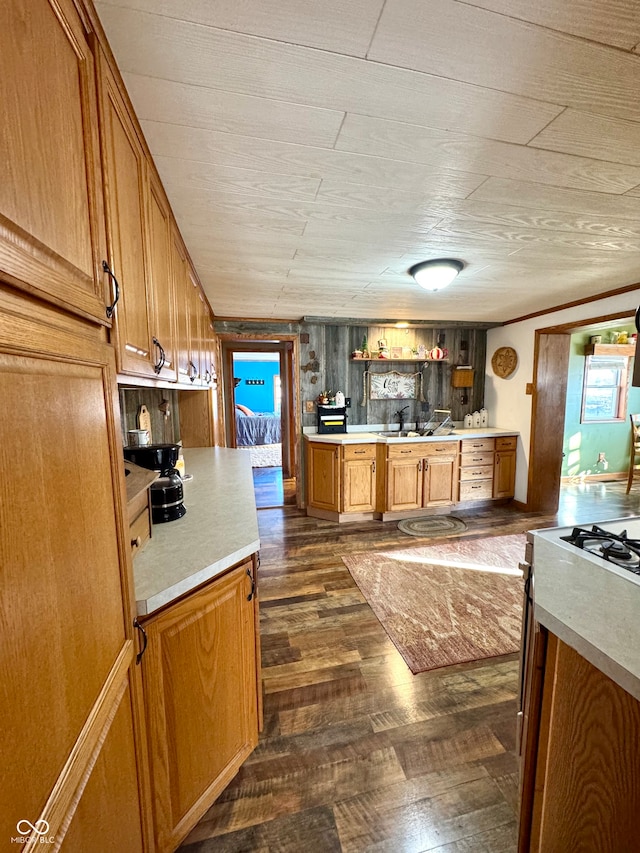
358, 754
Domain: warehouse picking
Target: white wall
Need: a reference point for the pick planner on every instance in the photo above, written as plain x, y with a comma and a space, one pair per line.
508, 405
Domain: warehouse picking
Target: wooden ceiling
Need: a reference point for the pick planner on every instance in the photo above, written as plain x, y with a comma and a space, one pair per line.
313, 150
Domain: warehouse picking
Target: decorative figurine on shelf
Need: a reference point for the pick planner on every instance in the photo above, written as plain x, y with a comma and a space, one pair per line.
383, 349
365, 347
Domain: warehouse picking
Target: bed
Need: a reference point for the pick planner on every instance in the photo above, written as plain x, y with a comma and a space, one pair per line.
256, 427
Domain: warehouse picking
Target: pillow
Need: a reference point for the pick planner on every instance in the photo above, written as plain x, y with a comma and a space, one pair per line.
244, 409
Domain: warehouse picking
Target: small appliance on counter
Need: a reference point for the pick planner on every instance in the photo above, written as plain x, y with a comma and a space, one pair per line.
332, 419
166, 492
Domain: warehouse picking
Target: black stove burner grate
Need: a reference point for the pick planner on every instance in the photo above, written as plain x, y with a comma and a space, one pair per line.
615, 548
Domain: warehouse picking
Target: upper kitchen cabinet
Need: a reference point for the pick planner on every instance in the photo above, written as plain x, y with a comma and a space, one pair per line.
162, 282
182, 287
51, 225
125, 167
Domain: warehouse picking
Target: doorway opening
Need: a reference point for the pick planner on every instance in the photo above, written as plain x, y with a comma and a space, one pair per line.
260, 390
551, 375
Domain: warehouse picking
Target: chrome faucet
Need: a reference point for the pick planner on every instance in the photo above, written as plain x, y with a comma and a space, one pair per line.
400, 416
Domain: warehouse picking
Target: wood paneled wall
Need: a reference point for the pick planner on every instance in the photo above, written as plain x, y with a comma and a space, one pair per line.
326, 365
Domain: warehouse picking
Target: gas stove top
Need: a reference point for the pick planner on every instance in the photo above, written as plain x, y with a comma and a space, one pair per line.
613, 544
618, 548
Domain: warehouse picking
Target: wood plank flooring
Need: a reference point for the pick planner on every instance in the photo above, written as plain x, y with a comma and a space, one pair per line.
357, 753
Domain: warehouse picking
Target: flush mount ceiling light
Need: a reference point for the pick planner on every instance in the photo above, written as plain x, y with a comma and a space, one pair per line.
436, 274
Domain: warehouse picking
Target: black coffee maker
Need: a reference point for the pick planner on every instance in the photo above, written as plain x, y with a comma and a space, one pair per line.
166, 493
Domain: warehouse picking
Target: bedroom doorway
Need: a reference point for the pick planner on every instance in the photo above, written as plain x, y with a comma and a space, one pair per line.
259, 393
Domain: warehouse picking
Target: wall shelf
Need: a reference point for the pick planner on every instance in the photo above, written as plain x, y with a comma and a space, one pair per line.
401, 360
610, 349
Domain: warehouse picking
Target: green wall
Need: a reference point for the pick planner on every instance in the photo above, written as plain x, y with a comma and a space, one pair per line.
583, 442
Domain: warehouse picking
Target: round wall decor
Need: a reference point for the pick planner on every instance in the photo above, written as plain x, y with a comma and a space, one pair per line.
504, 361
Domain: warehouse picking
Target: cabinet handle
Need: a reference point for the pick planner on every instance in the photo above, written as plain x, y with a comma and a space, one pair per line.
497, 458
157, 367
359, 451
192, 376
406, 451
110, 308
373, 466
137, 542
253, 585
145, 640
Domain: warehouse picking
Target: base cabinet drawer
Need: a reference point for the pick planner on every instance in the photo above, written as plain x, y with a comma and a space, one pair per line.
481, 472
476, 490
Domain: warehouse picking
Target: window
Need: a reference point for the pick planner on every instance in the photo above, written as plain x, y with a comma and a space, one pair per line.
605, 387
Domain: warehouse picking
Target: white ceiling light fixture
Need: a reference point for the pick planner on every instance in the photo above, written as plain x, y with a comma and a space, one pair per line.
436, 274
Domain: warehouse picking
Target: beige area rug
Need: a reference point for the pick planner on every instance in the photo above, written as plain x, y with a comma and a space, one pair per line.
449, 603
265, 455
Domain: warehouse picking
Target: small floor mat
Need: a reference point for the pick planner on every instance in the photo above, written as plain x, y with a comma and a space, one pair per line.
432, 525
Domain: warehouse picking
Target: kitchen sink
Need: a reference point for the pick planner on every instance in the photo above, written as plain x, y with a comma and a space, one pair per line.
413, 434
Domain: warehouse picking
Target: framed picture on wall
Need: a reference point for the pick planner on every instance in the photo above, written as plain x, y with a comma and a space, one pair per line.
395, 352
393, 386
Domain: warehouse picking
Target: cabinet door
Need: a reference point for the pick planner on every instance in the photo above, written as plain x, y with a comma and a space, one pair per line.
440, 480
359, 485
162, 282
587, 785
67, 647
201, 700
323, 476
52, 228
124, 179
504, 474
404, 483
195, 304
182, 289
107, 815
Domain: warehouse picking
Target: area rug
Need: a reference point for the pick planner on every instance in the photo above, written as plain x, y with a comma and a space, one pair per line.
449, 603
265, 455
432, 525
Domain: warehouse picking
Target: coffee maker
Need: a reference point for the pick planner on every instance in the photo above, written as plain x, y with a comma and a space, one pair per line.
166, 492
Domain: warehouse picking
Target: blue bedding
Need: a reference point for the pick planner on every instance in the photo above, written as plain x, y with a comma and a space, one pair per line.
257, 429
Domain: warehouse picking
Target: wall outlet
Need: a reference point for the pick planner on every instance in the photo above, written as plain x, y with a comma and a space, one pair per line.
309, 406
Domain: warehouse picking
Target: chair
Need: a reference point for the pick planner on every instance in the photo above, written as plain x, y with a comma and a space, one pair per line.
634, 453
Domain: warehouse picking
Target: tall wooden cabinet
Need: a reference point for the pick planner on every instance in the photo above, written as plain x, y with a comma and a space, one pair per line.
69, 691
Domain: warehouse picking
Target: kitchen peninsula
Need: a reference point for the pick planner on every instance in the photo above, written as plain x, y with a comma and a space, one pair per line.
580, 692
356, 476
195, 587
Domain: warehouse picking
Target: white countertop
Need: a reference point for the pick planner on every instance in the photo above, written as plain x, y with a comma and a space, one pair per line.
593, 609
220, 528
373, 437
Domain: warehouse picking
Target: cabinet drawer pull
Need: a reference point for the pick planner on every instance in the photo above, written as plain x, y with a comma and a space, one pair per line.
157, 367
253, 585
476, 487
110, 308
145, 640
192, 376
137, 542
359, 451
406, 451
